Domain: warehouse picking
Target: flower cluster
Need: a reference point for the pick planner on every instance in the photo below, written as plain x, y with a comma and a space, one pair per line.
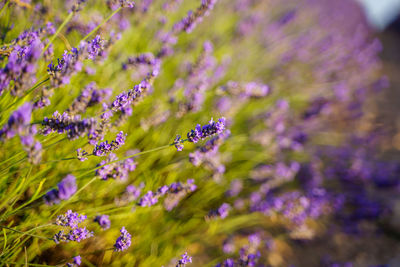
103, 221
18, 74
174, 193
185, 259
71, 61
77, 262
115, 170
123, 242
221, 212
65, 189
71, 220
202, 132
104, 148
90, 96
188, 23
74, 126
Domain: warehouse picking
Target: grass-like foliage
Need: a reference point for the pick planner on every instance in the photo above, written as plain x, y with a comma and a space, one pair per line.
198, 132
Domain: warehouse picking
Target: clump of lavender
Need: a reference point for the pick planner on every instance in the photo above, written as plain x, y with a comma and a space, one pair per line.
117, 170
103, 221
185, 259
105, 148
123, 242
65, 189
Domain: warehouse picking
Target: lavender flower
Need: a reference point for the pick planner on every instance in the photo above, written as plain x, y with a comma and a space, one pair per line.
81, 154
200, 133
95, 47
70, 219
185, 259
104, 147
76, 234
76, 261
79, 234
103, 221
67, 187
123, 241
178, 143
117, 170
149, 199
18, 122
188, 23
74, 126
71, 62
89, 97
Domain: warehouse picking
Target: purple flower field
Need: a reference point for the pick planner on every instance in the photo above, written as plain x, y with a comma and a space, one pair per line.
194, 133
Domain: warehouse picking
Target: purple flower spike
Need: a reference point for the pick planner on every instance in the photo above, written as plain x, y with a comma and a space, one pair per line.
104, 147
67, 187
207, 130
103, 221
70, 219
77, 261
184, 260
123, 241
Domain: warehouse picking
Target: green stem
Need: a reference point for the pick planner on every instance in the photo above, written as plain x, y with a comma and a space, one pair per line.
58, 31
24, 233
4, 7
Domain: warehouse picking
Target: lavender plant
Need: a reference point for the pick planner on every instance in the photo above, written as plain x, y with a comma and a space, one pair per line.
104, 108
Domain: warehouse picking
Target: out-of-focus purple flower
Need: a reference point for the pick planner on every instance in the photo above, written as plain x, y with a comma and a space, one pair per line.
18, 122
76, 261
185, 259
226, 263
89, 97
20, 70
189, 22
123, 242
221, 212
103, 221
67, 187
117, 170
51, 197
149, 199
